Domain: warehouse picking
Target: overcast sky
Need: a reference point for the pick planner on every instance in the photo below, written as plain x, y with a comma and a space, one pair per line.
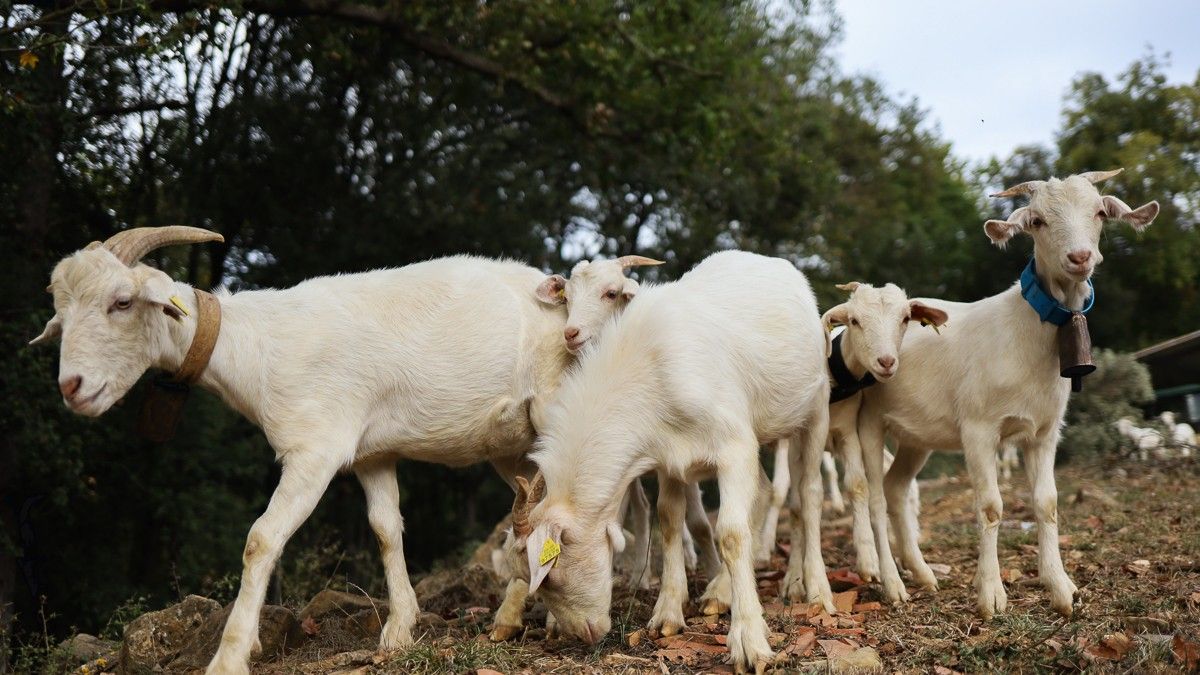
993, 74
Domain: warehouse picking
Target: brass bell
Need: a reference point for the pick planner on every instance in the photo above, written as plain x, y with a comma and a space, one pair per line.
1075, 350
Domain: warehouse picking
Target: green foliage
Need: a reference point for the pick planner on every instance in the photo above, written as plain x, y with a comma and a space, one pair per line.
545, 131
1118, 386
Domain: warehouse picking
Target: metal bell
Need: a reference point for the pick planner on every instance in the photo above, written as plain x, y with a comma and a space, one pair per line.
1075, 350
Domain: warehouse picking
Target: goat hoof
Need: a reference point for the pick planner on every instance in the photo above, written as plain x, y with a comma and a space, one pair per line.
714, 607
504, 633
668, 629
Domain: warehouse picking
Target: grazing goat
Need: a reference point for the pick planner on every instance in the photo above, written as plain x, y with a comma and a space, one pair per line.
1182, 434
694, 376
444, 361
991, 378
865, 352
1144, 440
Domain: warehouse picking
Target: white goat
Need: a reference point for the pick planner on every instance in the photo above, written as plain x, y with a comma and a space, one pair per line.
866, 352
1007, 460
695, 375
443, 361
830, 471
992, 377
1145, 441
1183, 435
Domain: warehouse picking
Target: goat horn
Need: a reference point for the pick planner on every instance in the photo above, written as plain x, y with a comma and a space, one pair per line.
627, 261
528, 495
130, 245
1021, 189
1097, 176
849, 286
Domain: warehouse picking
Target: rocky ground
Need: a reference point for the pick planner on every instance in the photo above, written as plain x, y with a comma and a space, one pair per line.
1131, 542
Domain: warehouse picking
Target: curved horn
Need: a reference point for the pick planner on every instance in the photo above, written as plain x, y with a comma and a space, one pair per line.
627, 261
528, 495
850, 286
1021, 189
130, 245
1097, 176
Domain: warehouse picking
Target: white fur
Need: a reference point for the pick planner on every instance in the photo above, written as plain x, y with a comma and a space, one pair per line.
444, 361
1182, 434
991, 377
692, 377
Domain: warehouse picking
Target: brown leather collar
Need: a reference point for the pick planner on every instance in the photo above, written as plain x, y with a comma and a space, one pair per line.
208, 327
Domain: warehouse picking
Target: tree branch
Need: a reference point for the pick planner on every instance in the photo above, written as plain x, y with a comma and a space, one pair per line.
136, 107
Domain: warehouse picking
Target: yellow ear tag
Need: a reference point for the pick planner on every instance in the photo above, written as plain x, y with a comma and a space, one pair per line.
550, 551
179, 303
562, 293
925, 322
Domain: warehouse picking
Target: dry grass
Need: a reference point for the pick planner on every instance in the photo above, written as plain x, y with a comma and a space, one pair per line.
1148, 514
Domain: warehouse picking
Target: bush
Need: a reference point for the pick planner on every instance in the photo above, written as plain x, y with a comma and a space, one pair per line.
1118, 386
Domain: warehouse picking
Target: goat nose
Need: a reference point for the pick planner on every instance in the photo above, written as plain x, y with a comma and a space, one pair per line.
886, 362
1079, 257
70, 386
571, 333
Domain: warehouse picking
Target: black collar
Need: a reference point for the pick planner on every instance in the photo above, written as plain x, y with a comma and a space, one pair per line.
844, 384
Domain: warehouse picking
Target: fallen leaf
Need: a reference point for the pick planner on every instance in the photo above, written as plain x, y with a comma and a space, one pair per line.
800, 646
1011, 575
309, 626
844, 602
835, 648
1187, 652
940, 570
487, 671
943, 670
1137, 568
868, 607
28, 60
1095, 522
1119, 643
635, 638
843, 579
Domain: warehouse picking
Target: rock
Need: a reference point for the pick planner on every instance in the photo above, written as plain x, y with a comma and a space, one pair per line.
861, 660
447, 591
277, 629
154, 639
344, 604
83, 647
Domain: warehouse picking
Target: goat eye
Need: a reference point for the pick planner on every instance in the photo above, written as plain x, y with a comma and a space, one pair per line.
610, 294
122, 304
1038, 222
1101, 214
907, 319
854, 322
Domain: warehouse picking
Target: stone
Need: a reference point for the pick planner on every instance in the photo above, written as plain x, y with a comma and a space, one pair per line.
278, 629
83, 648
861, 660
154, 639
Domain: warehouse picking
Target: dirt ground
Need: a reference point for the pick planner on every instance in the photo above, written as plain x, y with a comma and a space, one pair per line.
1130, 540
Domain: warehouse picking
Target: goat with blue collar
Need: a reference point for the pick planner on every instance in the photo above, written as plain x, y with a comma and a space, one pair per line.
994, 376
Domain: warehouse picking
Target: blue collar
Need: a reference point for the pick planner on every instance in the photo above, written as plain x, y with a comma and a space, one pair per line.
1043, 303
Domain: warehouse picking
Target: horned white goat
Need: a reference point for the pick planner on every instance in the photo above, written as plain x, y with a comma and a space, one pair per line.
1183, 434
992, 377
443, 361
1145, 441
695, 374
866, 351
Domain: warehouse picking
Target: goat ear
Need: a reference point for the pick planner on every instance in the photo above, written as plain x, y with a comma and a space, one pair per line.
926, 314
629, 289
836, 316
551, 290
542, 550
1140, 218
616, 537
1000, 231
52, 331
157, 289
